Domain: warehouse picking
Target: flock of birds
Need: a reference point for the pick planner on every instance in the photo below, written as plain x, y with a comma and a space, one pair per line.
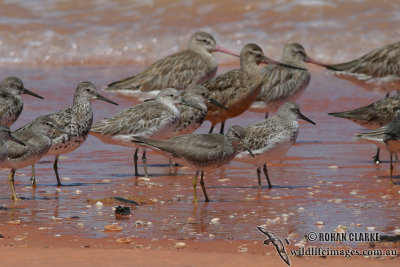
182, 92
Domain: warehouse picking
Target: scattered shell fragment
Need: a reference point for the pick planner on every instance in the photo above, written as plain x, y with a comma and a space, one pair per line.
319, 222
56, 219
341, 229
14, 222
99, 205
242, 249
123, 240
78, 192
397, 231
180, 245
113, 227
214, 221
66, 178
333, 167
190, 220
370, 228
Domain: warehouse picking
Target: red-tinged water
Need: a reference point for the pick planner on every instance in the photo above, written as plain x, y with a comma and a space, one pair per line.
325, 177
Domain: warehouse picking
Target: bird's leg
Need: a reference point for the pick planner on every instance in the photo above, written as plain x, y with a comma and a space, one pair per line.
396, 157
144, 163
391, 168
266, 176
11, 182
203, 187
387, 95
266, 115
171, 164
211, 129
33, 178
194, 184
221, 131
55, 167
258, 177
376, 157
135, 158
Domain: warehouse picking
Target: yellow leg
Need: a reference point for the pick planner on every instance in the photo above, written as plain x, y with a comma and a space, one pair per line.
33, 178
194, 183
11, 182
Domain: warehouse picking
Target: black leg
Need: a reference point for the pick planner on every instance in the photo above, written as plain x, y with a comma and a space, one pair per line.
211, 129
266, 115
135, 159
391, 168
203, 187
55, 167
258, 177
266, 176
376, 157
387, 95
221, 131
144, 163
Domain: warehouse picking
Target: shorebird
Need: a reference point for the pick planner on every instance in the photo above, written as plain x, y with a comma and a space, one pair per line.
378, 70
237, 89
153, 119
272, 138
75, 121
193, 65
191, 118
374, 115
11, 103
389, 136
201, 152
282, 84
37, 142
5, 135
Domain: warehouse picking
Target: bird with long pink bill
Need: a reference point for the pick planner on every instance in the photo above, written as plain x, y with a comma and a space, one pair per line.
282, 84
193, 65
238, 88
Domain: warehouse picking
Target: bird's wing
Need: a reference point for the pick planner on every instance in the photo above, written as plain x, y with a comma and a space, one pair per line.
379, 62
191, 147
177, 70
381, 111
130, 121
281, 82
223, 88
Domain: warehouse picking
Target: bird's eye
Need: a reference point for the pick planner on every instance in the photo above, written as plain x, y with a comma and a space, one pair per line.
88, 90
171, 95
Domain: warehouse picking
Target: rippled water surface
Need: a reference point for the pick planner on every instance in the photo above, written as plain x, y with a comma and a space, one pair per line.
326, 176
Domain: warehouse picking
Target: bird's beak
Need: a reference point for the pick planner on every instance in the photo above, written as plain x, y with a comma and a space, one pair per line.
186, 103
103, 98
16, 140
246, 146
267, 60
316, 62
301, 116
215, 103
26, 91
221, 49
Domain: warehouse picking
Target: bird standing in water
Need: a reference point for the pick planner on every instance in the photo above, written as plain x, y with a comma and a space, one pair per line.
193, 65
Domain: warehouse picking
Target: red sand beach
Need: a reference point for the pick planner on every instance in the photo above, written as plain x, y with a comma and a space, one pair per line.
325, 180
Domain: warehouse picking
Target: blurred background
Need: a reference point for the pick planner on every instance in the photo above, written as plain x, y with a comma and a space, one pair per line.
102, 32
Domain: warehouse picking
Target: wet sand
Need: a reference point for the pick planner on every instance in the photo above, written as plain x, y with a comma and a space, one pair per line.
325, 180
326, 177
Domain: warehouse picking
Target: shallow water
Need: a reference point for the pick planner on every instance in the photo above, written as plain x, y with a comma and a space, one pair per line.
325, 177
